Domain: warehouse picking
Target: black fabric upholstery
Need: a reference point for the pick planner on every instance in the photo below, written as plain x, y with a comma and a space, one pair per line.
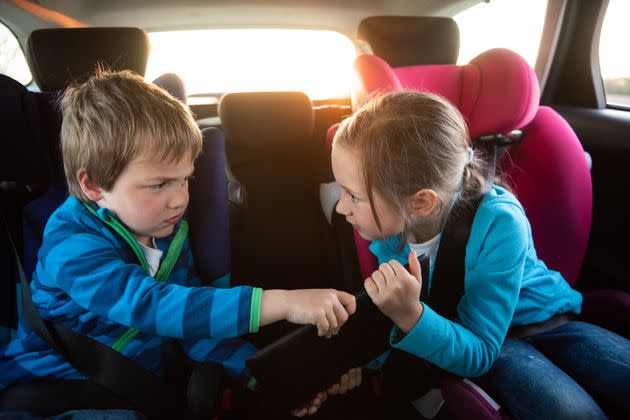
30, 135
267, 121
411, 40
281, 238
59, 56
208, 213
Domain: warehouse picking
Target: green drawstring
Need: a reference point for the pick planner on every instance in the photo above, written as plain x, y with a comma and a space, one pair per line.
172, 254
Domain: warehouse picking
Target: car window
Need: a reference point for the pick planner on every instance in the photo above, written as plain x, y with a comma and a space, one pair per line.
614, 59
12, 60
513, 24
316, 62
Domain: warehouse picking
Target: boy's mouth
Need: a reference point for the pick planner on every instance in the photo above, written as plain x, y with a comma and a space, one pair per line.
173, 220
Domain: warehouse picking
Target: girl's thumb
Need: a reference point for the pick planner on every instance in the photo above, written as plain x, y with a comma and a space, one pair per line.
414, 266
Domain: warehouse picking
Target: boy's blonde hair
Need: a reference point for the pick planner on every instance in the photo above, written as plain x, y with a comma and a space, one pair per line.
113, 118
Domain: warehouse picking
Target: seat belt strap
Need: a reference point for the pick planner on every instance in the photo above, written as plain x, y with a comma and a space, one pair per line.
98, 362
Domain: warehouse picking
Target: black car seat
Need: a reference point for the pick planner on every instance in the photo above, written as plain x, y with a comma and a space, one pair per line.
280, 236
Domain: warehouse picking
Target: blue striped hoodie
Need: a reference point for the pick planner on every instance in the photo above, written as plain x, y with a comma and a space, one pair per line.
88, 279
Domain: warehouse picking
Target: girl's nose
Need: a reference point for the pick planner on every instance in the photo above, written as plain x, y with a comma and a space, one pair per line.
342, 207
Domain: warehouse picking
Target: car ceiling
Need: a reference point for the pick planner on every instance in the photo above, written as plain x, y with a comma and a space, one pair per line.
154, 15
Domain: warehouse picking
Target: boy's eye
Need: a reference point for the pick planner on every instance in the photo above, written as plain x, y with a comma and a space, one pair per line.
157, 187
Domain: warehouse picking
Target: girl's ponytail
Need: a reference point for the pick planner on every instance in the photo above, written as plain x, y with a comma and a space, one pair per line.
475, 180
481, 171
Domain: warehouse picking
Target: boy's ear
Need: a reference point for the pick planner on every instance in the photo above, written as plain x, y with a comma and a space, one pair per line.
89, 188
423, 202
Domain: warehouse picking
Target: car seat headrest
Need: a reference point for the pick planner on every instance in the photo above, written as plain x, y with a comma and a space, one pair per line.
496, 92
411, 40
266, 120
60, 56
174, 85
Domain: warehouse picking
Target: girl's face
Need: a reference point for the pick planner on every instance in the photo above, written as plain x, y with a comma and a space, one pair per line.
354, 203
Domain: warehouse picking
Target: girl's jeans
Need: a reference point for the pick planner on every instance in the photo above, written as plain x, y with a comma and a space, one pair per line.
576, 371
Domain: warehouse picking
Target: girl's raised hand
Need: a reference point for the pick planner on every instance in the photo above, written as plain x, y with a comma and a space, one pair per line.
396, 291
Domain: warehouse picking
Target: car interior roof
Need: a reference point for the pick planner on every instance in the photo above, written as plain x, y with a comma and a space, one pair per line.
157, 15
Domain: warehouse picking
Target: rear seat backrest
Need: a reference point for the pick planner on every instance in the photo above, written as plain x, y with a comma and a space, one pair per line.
411, 40
60, 56
281, 238
29, 164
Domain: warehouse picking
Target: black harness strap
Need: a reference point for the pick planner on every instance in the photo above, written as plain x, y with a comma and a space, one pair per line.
447, 286
406, 376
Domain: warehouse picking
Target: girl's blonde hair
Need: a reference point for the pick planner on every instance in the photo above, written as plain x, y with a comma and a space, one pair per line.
113, 118
410, 141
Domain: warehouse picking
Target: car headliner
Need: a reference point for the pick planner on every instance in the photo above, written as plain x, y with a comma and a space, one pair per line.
342, 16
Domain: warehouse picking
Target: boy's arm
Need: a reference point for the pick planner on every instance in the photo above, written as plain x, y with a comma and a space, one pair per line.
230, 353
87, 267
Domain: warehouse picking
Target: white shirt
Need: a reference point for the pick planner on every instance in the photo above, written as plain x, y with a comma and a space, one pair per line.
153, 256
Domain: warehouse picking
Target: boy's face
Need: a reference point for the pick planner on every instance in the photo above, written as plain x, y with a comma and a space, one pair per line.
354, 202
150, 197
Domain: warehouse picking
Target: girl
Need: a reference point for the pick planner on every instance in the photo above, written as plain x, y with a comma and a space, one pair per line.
405, 165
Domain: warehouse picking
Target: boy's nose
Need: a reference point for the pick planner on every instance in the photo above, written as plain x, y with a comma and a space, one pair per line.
179, 198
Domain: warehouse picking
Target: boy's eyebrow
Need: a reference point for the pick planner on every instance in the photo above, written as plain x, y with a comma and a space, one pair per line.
166, 178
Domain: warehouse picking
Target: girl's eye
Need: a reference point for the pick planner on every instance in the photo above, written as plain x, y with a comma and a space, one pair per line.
354, 198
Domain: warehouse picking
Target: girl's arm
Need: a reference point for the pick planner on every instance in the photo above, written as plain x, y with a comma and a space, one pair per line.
494, 269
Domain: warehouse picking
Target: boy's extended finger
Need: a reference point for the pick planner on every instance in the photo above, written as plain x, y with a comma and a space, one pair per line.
348, 301
340, 313
323, 325
332, 322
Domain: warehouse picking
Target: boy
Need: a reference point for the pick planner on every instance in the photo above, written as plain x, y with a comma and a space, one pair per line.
128, 149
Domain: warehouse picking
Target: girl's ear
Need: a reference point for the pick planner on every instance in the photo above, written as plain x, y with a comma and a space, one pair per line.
89, 188
423, 202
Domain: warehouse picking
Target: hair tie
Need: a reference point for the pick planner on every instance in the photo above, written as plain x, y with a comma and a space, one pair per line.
471, 154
